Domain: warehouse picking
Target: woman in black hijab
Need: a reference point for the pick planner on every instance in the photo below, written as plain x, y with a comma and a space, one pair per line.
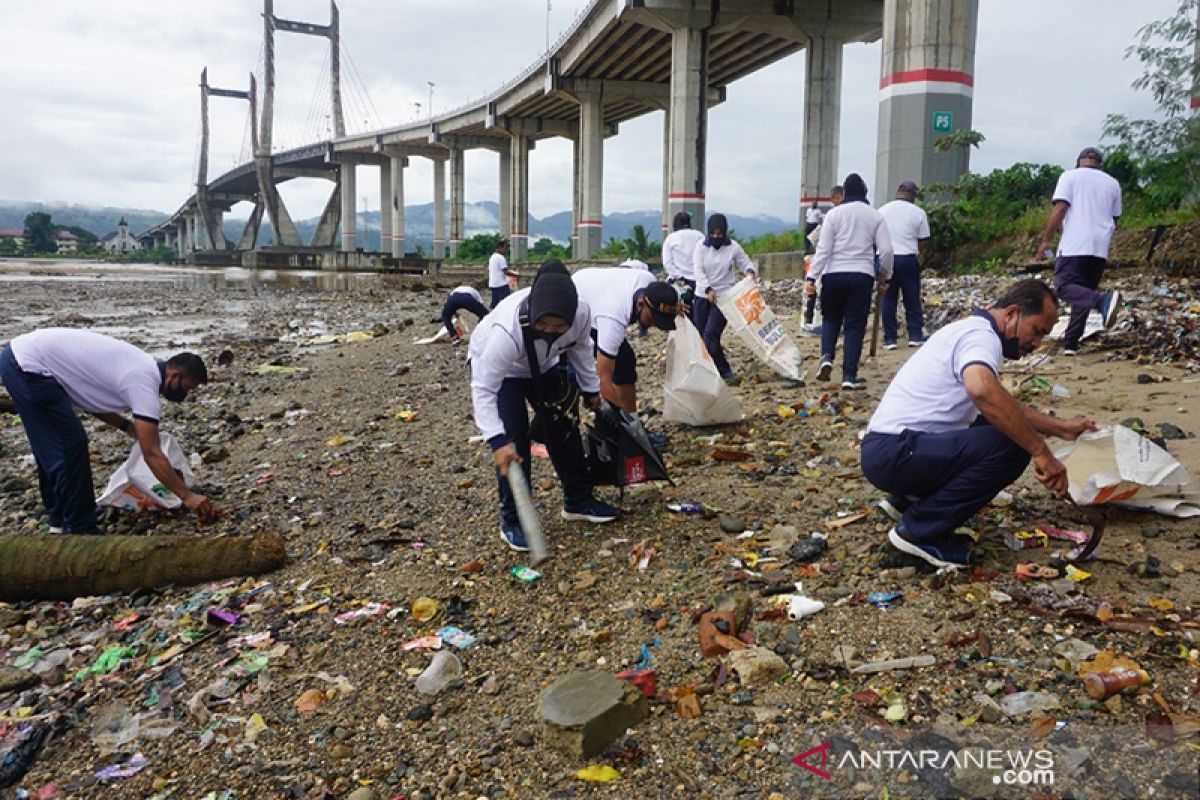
716, 260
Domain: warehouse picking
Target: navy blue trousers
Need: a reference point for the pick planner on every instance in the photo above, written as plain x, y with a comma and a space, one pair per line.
711, 324
499, 293
906, 280
954, 473
1076, 282
845, 306
461, 301
59, 444
566, 454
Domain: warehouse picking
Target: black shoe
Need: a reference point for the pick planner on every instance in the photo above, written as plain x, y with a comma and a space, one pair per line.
943, 553
854, 383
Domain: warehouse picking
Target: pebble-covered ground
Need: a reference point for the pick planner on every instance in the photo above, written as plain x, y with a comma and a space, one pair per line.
359, 454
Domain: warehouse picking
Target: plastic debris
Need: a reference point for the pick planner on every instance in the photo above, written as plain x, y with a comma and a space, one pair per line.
1031, 571
126, 770
1073, 573
646, 680
424, 609
685, 508
895, 663
444, 669
369, 610
456, 637
1014, 705
885, 600
422, 643
597, 773
526, 574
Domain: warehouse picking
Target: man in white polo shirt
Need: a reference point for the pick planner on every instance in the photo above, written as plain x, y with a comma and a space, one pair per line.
463, 298
947, 436
618, 298
677, 251
499, 273
909, 228
49, 371
1087, 203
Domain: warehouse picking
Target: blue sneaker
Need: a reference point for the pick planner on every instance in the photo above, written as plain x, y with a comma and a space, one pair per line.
1110, 306
943, 553
591, 511
513, 536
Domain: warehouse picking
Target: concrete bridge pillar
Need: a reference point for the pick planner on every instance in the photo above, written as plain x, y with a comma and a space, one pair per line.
385, 211
395, 204
439, 208
822, 118
519, 198
349, 208
506, 219
688, 121
576, 202
590, 163
218, 223
189, 236
180, 238
926, 90
457, 190
666, 179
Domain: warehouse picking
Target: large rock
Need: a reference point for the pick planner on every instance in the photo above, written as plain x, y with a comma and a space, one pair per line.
14, 680
756, 666
586, 711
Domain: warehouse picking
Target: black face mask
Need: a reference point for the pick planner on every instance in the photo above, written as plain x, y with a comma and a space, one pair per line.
1010, 346
549, 337
175, 395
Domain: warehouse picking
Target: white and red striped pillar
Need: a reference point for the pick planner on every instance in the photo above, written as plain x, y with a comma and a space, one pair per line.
926, 91
687, 122
822, 121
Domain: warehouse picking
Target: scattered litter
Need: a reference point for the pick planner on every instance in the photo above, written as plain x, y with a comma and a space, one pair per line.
444, 669
456, 637
369, 610
424, 609
526, 574
126, 770
885, 600
597, 773
895, 663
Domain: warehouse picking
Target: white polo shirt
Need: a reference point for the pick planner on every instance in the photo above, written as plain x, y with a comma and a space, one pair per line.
851, 236
1094, 200
813, 215
468, 290
677, 250
907, 224
99, 373
609, 294
715, 267
497, 351
928, 393
497, 267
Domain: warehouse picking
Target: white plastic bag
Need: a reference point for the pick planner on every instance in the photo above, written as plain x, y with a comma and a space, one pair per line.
693, 391
753, 321
1116, 465
134, 486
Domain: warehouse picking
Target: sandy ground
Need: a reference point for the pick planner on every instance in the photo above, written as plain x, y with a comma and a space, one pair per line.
378, 509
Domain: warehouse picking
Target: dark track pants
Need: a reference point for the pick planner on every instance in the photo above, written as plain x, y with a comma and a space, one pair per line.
954, 473
464, 302
499, 293
711, 323
1076, 281
567, 455
906, 280
845, 305
59, 444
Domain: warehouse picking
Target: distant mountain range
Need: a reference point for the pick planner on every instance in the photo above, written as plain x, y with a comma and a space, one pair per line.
478, 218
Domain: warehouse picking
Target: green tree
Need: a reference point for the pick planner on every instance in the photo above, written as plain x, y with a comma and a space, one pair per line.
1165, 150
962, 139
39, 233
8, 247
639, 245
545, 248
614, 248
478, 248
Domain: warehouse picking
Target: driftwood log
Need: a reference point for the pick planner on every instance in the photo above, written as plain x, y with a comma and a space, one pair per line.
66, 567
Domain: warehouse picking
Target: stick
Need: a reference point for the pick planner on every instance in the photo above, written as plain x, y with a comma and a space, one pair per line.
530, 524
875, 325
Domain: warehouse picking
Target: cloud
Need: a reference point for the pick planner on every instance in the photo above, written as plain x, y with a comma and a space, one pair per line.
102, 103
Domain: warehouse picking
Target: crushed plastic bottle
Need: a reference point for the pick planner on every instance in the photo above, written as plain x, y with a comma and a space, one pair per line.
444, 669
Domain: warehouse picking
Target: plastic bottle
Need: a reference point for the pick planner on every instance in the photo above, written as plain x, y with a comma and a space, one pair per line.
441, 672
1102, 685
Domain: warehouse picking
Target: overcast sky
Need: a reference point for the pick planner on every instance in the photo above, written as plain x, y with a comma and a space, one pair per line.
100, 104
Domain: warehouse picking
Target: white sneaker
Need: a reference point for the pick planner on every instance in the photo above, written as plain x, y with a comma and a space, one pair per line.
890, 345
55, 529
1067, 351
826, 370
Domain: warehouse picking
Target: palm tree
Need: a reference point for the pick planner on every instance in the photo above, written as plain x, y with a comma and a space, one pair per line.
639, 244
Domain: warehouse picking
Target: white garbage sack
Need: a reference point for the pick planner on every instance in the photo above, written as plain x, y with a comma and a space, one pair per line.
133, 485
693, 391
1117, 465
753, 321
1094, 324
